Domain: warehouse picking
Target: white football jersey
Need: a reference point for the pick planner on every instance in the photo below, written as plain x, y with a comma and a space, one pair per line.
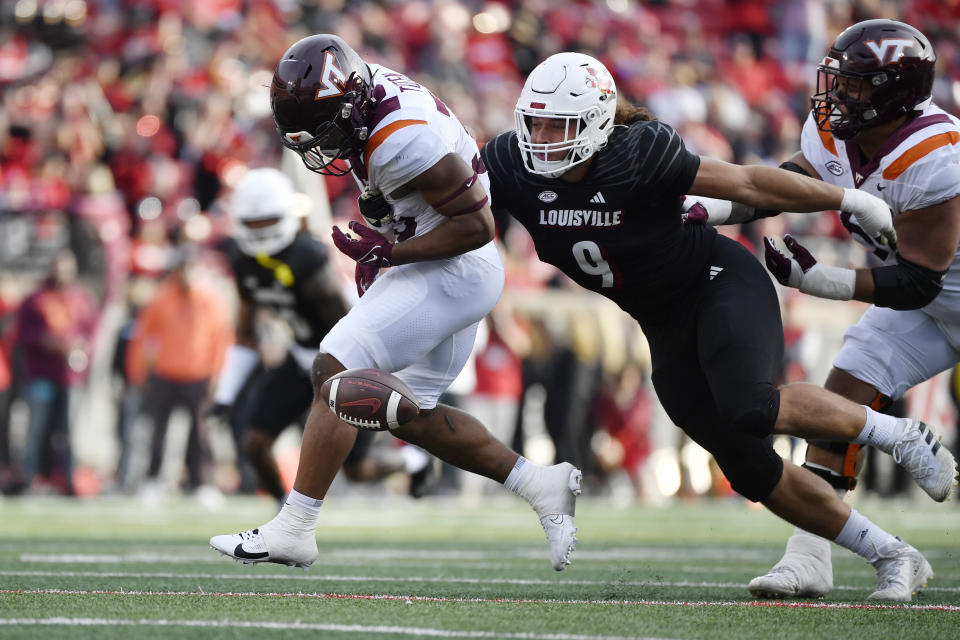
917, 167
413, 132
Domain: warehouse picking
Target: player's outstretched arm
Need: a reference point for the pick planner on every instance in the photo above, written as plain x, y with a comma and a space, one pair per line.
453, 188
703, 210
780, 190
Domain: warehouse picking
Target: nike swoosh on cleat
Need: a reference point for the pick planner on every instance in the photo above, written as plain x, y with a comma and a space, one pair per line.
240, 552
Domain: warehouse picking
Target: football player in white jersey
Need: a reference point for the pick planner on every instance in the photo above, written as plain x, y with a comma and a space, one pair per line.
426, 194
873, 127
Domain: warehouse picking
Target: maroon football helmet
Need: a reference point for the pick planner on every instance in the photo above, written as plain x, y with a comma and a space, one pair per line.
875, 72
321, 101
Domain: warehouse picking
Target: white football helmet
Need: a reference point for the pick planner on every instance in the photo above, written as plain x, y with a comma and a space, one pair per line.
264, 195
578, 89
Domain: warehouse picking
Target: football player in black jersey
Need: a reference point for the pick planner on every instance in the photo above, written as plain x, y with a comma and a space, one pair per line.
280, 268
598, 184
873, 124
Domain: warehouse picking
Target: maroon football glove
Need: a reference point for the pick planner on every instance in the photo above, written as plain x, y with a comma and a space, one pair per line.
788, 272
370, 249
695, 214
364, 275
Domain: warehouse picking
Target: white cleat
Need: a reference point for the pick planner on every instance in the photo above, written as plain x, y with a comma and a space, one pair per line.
901, 570
562, 536
268, 544
920, 452
804, 571
554, 498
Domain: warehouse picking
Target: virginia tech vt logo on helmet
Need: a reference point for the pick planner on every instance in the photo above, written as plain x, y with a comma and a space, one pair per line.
332, 78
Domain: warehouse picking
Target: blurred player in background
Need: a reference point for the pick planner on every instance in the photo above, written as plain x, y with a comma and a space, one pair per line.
874, 127
425, 192
56, 326
278, 266
598, 184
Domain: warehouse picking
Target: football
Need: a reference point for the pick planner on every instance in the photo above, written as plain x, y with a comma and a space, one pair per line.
370, 399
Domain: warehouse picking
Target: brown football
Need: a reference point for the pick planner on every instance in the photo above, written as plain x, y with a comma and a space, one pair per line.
370, 399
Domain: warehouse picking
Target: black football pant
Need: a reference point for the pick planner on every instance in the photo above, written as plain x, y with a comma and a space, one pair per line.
715, 364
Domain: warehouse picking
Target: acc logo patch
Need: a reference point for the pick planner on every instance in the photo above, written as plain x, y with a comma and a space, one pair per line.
835, 167
547, 196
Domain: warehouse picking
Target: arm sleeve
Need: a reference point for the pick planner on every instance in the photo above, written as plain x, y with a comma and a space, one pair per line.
905, 285
665, 163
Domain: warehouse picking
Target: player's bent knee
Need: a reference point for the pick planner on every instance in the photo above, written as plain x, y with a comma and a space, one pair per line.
752, 473
757, 415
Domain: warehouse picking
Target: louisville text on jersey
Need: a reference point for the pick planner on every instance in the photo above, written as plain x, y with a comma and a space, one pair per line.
579, 218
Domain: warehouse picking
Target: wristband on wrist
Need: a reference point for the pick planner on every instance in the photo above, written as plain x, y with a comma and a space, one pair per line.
825, 281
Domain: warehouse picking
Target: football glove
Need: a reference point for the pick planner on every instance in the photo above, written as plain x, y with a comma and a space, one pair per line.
804, 273
872, 214
702, 210
364, 275
374, 208
370, 249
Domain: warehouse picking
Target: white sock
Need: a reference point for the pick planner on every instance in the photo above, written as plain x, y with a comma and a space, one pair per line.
414, 458
311, 506
880, 430
863, 537
517, 474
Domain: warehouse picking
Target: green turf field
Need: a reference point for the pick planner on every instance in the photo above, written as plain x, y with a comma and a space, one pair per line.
393, 568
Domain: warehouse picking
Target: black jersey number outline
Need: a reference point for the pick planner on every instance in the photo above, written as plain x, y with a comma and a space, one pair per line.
590, 260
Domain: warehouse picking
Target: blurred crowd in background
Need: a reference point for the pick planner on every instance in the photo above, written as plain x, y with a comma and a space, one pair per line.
124, 125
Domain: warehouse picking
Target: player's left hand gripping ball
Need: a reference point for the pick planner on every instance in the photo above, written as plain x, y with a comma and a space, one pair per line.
370, 399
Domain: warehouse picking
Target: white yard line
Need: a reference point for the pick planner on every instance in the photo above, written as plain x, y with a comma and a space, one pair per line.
344, 555
773, 604
302, 626
399, 579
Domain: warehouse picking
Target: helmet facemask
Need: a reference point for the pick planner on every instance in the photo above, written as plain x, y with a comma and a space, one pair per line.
581, 140
847, 102
268, 235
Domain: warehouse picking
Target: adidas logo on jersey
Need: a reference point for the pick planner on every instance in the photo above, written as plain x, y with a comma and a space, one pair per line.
598, 199
715, 271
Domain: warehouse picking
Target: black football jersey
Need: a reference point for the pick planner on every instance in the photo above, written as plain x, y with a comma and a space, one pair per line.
618, 230
280, 282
